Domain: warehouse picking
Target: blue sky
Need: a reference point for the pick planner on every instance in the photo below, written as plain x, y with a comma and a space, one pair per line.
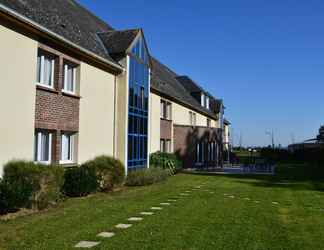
265, 58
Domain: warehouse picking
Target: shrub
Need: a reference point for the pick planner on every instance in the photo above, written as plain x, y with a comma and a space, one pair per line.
50, 183
145, 177
27, 184
166, 161
110, 172
80, 181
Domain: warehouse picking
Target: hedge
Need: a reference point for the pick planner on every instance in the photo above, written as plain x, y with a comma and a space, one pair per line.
110, 172
26, 184
166, 161
148, 176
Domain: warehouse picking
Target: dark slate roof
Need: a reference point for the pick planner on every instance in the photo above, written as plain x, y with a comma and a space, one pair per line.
164, 81
189, 84
118, 41
66, 18
72, 21
227, 122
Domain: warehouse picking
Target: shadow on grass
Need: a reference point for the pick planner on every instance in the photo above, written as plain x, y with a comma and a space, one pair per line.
296, 177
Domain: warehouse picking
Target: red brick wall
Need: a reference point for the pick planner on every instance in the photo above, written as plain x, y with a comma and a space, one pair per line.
55, 110
166, 129
186, 139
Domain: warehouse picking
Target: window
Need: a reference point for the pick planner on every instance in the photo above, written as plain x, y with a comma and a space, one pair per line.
166, 108
70, 75
67, 148
45, 70
202, 99
192, 118
207, 102
165, 146
138, 113
208, 123
200, 151
43, 147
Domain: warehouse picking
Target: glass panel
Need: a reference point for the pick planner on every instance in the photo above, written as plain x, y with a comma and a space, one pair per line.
45, 147
38, 69
48, 71
138, 106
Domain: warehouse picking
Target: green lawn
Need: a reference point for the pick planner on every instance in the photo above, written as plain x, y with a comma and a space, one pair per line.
203, 220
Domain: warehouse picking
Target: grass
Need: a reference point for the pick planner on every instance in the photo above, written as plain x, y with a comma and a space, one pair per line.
204, 220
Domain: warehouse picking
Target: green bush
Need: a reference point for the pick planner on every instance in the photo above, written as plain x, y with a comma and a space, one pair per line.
110, 172
80, 181
145, 177
51, 183
166, 161
26, 184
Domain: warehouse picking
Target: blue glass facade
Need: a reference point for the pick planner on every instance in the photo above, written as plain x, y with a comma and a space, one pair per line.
138, 107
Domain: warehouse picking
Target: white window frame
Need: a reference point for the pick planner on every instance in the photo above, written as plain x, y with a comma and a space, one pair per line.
63, 147
207, 102
74, 82
42, 76
202, 99
39, 148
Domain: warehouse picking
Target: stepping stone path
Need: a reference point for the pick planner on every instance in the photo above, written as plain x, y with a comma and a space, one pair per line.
156, 208
165, 204
146, 213
135, 219
106, 235
86, 244
123, 226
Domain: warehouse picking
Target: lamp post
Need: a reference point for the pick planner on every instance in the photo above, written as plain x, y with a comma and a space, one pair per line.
271, 134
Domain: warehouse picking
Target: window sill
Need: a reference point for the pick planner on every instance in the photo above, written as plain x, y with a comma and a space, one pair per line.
70, 94
46, 88
68, 164
164, 119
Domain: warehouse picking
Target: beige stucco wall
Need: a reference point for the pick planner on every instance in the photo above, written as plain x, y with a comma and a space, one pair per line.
121, 115
155, 125
96, 132
180, 116
18, 56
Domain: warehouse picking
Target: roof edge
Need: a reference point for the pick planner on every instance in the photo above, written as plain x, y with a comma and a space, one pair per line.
21, 18
155, 91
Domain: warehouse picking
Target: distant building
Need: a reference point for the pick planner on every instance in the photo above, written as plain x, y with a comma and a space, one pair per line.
311, 143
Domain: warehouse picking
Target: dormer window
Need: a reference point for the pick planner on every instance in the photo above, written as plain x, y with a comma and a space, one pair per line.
207, 102
203, 99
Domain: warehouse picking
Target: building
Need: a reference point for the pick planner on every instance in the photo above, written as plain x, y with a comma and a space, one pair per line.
226, 135
74, 88
314, 143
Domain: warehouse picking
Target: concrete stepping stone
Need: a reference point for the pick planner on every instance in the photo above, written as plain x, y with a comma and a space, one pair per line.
275, 203
184, 194
106, 234
172, 200
165, 204
87, 244
146, 213
231, 196
135, 219
123, 226
256, 201
247, 199
156, 208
